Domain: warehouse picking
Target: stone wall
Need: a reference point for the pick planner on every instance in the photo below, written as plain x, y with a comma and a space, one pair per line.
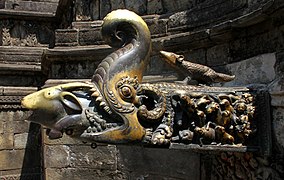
20, 141
240, 37
71, 159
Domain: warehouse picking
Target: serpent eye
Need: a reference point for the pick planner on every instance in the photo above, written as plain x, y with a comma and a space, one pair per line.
51, 93
126, 91
180, 58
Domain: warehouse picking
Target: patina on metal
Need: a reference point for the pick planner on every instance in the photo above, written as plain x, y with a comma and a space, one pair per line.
115, 107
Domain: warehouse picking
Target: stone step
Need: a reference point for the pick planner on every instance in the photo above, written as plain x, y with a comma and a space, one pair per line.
168, 28
88, 33
78, 37
20, 66
21, 55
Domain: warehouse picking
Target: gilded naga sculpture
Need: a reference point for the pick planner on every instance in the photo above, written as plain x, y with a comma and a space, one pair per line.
116, 107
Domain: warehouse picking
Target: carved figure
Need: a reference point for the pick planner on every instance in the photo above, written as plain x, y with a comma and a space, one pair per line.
115, 107
193, 71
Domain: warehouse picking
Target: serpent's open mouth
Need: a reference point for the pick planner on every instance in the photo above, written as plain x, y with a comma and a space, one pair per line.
101, 123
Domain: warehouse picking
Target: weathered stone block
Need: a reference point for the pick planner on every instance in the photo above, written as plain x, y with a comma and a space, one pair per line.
195, 56
14, 121
63, 156
178, 19
256, 70
278, 125
82, 10
82, 173
65, 140
87, 24
157, 26
25, 55
154, 7
18, 115
276, 91
1, 127
94, 9
218, 55
31, 6
9, 127
75, 69
57, 156
205, 14
177, 5
21, 126
11, 159
2, 4
66, 37
90, 36
138, 6
31, 173
6, 115
105, 7
6, 141
117, 4
163, 163
17, 159
19, 75
250, 46
22, 176
20, 140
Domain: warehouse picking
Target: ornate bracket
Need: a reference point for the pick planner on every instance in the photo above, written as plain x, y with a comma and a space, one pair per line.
115, 107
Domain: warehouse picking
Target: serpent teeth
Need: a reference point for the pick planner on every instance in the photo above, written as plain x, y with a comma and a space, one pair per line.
93, 89
99, 99
102, 103
107, 109
114, 124
108, 126
94, 129
96, 94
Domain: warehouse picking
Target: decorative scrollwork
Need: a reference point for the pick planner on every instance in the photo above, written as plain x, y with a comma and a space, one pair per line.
115, 107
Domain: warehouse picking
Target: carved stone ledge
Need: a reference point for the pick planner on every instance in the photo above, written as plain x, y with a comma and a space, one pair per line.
213, 148
10, 97
75, 53
87, 24
20, 59
55, 82
19, 67
27, 15
92, 55
16, 91
35, 10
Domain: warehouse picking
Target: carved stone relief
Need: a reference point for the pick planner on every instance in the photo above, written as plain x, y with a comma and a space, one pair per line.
25, 33
244, 166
